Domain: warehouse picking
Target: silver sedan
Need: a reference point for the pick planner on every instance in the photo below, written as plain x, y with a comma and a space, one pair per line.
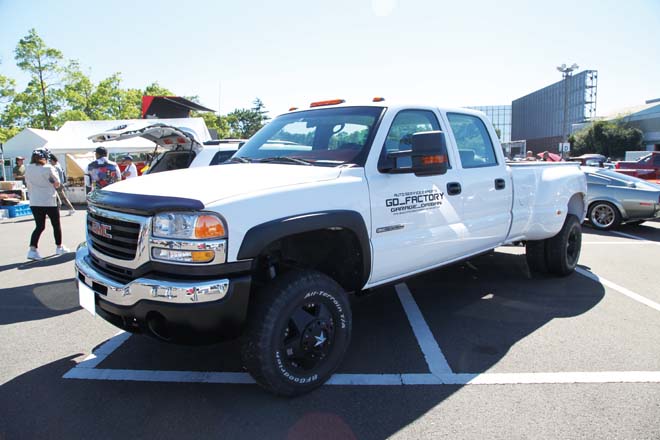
614, 198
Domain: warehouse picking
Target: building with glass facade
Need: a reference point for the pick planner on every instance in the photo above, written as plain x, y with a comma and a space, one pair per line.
500, 116
538, 118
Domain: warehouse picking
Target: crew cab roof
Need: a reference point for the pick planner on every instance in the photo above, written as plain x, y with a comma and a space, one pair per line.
394, 106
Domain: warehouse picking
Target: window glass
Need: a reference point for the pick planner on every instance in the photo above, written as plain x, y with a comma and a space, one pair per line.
171, 160
405, 124
323, 137
475, 147
221, 156
595, 180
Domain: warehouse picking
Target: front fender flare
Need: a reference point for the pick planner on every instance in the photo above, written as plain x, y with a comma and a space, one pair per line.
260, 236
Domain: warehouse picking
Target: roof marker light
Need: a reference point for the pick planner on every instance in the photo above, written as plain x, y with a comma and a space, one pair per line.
329, 102
293, 108
378, 99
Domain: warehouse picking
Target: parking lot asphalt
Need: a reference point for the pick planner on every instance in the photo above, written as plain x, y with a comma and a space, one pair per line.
480, 349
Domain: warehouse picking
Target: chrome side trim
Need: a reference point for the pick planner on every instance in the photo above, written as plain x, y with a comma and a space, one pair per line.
146, 288
390, 228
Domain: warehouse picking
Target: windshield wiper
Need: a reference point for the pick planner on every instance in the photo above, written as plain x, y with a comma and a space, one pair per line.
285, 159
239, 160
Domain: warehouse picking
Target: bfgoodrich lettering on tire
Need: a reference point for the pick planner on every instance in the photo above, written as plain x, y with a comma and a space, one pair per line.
563, 250
297, 333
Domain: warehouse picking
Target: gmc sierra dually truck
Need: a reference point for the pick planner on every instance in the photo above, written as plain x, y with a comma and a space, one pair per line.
320, 203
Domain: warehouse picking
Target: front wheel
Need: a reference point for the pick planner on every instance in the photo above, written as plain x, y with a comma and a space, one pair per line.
563, 250
604, 215
297, 333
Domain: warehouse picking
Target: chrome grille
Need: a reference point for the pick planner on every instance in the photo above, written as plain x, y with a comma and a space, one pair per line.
113, 237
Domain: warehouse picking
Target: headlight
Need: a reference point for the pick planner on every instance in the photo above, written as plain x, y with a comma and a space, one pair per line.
188, 226
182, 256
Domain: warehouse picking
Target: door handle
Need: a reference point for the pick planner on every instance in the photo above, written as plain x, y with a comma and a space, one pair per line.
500, 184
454, 188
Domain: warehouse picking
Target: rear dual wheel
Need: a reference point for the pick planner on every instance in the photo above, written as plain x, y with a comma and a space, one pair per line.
557, 255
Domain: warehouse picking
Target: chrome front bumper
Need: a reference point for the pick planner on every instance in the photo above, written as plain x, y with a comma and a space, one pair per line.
167, 292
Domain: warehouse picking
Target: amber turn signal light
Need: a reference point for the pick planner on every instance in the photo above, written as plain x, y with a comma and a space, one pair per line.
209, 226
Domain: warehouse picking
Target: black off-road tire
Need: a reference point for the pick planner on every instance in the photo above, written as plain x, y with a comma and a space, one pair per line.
604, 216
562, 251
535, 255
272, 332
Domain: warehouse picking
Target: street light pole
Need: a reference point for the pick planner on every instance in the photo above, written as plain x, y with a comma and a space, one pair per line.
566, 73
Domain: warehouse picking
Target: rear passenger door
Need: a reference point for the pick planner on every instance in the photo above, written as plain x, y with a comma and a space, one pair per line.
486, 187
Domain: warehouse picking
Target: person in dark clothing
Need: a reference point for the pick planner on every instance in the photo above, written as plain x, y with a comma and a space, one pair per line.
42, 182
102, 171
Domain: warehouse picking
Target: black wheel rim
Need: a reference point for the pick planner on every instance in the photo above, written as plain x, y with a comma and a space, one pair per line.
308, 336
573, 246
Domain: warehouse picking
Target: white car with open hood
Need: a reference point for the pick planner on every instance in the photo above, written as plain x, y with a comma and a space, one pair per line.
319, 204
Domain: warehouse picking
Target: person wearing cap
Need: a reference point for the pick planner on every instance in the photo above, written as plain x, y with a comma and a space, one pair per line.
64, 200
19, 169
130, 171
103, 172
42, 182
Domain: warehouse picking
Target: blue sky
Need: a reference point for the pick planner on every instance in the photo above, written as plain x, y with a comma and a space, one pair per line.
289, 53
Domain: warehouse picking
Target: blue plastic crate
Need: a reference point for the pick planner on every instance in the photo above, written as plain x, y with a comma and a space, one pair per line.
18, 210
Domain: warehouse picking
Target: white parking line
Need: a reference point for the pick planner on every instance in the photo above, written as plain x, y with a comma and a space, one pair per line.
618, 243
104, 350
374, 379
434, 358
635, 237
441, 373
630, 294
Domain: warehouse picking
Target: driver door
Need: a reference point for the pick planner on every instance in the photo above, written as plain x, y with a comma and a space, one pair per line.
416, 220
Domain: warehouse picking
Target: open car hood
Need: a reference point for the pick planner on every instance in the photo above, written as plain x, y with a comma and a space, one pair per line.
166, 136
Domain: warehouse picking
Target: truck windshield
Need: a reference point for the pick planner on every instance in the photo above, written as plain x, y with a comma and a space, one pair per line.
325, 137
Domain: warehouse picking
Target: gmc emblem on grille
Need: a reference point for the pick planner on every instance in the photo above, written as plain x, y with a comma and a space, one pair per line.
100, 229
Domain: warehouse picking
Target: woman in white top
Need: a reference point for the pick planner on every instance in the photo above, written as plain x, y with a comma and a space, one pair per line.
42, 181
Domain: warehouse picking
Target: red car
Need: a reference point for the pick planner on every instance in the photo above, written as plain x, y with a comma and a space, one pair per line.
647, 167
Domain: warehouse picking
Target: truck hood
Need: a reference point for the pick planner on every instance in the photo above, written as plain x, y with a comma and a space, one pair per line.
209, 184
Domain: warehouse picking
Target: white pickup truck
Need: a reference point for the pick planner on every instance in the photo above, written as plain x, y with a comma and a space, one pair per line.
320, 203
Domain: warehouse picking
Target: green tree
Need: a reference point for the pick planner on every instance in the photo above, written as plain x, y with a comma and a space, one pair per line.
41, 99
78, 90
215, 122
7, 89
8, 133
130, 104
155, 89
7, 94
260, 108
93, 101
243, 123
609, 138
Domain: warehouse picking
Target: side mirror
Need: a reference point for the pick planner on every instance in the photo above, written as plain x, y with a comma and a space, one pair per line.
429, 153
